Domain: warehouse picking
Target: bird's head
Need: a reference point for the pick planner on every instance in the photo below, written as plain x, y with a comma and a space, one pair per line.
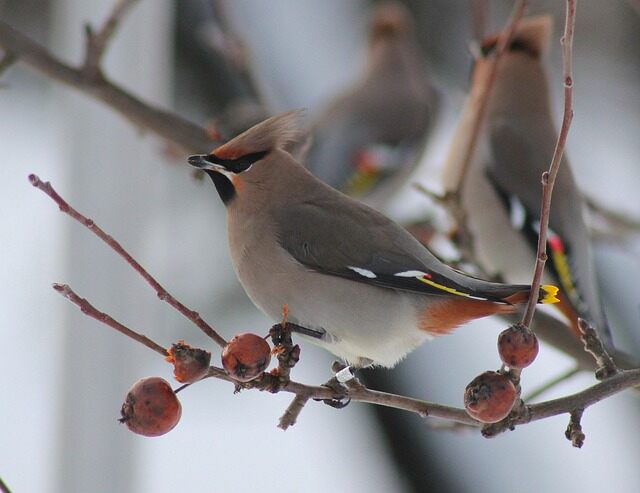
230, 165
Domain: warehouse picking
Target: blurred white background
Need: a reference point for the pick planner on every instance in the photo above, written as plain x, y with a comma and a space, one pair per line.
64, 376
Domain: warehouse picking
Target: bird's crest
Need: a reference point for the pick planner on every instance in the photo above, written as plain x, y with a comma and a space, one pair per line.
276, 132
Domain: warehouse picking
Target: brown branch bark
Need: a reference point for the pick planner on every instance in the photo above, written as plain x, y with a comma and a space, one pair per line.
91, 311
162, 293
166, 124
97, 41
535, 412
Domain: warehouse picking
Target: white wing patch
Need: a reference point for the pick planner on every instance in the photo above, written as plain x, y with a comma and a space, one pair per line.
517, 213
363, 272
411, 273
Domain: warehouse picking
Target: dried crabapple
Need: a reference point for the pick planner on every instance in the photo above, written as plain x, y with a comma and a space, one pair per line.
517, 346
246, 356
189, 364
151, 407
489, 397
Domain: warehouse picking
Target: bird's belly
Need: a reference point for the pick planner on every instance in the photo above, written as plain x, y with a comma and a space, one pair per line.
360, 321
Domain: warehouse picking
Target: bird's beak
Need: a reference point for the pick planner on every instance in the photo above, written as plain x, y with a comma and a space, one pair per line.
200, 161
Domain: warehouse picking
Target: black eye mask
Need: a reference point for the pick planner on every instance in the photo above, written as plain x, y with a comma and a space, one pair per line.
236, 165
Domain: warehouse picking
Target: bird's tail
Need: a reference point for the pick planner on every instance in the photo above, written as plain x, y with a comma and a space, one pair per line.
548, 295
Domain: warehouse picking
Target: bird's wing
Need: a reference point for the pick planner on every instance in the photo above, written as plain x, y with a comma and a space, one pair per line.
365, 246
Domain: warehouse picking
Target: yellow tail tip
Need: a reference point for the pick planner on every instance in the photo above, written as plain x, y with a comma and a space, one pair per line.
548, 294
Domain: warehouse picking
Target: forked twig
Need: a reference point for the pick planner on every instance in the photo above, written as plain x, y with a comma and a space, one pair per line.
162, 293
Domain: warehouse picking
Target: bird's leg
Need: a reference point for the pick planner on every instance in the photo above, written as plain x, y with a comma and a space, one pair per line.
341, 383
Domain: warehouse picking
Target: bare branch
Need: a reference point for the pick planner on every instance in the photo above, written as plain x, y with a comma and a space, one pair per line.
88, 309
162, 293
167, 125
359, 393
594, 346
564, 405
292, 412
549, 177
574, 431
97, 41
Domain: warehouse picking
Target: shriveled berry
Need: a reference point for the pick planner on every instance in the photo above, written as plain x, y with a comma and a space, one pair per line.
246, 356
517, 346
489, 397
151, 407
189, 364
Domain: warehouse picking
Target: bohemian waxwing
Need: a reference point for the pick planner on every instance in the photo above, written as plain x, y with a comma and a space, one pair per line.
501, 189
362, 285
365, 142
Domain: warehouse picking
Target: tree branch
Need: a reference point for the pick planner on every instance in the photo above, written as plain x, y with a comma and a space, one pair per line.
162, 293
97, 41
167, 125
549, 177
535, 412
88, 309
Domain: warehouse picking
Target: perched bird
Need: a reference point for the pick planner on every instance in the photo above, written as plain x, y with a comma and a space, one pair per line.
365, 289
369, 135
500, 190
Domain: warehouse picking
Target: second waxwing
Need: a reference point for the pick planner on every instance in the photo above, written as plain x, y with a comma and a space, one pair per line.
358, 283
366, 140
501, 188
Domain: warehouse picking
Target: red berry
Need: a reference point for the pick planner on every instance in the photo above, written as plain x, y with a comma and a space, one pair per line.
489, 397
517, 346
246, 356
189, 364
151, 407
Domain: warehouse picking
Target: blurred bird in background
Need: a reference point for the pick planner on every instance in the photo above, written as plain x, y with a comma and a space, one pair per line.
365, 142
500, 189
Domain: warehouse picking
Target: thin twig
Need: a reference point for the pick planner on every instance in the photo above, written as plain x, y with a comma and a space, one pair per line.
594, 346
88, 309
167, 125
97, 41
574, 431
549, 177
162, 293
292, 412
